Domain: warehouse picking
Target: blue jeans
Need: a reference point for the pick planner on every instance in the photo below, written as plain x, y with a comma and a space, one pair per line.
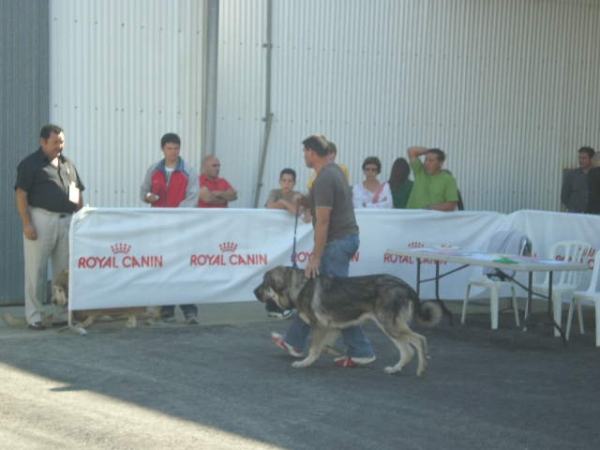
335, 261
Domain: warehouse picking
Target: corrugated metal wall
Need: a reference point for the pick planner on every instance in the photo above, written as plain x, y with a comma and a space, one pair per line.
509, 88
123, 74
23, 111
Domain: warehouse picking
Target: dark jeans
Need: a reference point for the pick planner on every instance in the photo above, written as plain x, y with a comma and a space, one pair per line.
169, 311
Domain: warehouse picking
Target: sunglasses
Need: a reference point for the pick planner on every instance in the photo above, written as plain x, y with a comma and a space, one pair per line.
370, 169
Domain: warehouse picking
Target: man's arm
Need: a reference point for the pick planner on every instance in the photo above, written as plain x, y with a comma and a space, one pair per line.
23, 209
415, 152
282, 204
565, 190
446, 206
216, 197
191, 190
321, 230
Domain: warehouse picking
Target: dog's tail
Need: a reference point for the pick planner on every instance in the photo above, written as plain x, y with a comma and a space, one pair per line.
428, 314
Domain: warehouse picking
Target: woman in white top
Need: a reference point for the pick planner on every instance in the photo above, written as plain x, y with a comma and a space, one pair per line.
372, 193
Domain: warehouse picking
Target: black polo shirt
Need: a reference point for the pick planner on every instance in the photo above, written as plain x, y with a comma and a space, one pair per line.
47, 186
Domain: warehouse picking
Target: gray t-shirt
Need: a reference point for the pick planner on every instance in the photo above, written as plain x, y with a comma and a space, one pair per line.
330, 190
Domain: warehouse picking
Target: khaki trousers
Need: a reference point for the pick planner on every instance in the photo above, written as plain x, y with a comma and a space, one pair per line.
52, 244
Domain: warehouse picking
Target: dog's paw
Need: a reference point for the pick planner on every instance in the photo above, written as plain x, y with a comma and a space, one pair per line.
300, 364
392, 369
131, 322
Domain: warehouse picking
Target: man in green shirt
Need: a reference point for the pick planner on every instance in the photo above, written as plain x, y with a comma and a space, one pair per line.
434, 188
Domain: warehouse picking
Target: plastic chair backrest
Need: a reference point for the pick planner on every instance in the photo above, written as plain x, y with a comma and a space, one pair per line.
572, 251
509, 242
593, 287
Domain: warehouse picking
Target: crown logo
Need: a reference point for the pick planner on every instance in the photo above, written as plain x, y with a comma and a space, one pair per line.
228, 247
416, 244
120, 247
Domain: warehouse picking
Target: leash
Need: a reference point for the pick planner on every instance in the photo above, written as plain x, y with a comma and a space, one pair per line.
294, 264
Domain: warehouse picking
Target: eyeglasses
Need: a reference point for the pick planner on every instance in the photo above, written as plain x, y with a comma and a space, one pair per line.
370, 169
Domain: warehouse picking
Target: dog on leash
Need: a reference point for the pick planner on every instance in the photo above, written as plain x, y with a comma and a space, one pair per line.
329, 304
60, 296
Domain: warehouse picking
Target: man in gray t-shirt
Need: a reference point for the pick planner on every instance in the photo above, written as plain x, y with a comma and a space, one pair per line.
335, 243
330, 190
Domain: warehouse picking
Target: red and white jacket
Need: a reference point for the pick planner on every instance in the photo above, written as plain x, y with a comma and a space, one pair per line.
180, 189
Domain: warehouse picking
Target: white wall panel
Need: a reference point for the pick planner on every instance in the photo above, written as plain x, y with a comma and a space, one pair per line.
123, 74
241, 94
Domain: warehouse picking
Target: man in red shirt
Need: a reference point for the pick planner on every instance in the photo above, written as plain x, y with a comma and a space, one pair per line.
215, 192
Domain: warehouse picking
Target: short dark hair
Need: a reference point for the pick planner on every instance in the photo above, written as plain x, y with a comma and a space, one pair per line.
318, 143
372, 160
441, 156
589, 150
332, 148
170, 138
288, 171
47, 130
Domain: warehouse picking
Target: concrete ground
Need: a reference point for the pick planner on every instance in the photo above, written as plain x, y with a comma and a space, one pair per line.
223, 385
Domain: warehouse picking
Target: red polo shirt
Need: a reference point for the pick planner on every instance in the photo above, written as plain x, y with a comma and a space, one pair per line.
218, 184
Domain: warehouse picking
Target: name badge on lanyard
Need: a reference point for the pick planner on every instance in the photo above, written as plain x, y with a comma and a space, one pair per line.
73, 193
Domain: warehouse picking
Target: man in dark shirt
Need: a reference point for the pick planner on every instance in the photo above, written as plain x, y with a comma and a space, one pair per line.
574, 191
594, 186
47, 192
335, 243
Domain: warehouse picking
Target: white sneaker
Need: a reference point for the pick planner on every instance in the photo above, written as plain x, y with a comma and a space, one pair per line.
285, 314
192, 320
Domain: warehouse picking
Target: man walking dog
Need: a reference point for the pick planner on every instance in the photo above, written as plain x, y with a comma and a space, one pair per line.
335, 242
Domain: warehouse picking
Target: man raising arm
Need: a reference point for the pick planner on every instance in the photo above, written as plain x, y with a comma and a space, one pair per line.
433, 188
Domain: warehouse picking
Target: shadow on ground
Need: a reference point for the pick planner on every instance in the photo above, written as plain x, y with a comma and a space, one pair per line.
502, 389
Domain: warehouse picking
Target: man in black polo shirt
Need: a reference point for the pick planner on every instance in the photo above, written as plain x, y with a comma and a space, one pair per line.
47, 192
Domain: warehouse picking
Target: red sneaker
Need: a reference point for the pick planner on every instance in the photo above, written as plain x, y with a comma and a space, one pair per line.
353, 361
279, 342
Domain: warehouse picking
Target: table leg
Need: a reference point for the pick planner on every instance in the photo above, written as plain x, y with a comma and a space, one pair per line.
445, 309
529, 301
418, 277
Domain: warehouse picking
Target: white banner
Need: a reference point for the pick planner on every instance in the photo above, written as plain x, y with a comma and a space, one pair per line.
150, 256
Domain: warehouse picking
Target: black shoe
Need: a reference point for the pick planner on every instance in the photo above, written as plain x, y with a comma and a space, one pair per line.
37, 326
60, 324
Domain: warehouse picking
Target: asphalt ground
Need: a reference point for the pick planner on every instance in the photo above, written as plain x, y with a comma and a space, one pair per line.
223, 385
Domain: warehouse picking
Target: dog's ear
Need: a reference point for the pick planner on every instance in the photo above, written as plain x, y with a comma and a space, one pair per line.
274, 280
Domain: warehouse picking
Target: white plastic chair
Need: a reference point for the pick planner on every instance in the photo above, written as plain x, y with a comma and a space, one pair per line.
565, 282
494, 286
507, 241
590, 295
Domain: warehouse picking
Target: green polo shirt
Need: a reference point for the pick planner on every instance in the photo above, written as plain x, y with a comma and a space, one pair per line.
431, 189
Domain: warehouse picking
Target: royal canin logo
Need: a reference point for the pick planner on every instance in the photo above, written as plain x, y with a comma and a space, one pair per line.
120, 259
228, 247
228, 257
304, 257
120, 248
406, 259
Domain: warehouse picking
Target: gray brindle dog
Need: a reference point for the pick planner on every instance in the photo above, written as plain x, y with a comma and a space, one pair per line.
329, 304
